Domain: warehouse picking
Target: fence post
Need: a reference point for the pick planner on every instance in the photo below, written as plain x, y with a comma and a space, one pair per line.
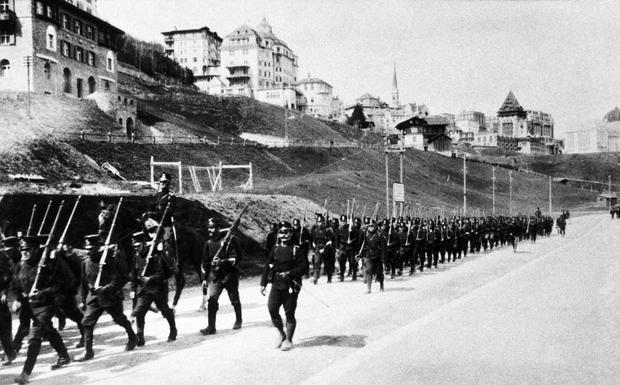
232, 140
82, 135
153, 139
171, 139
109, 136
218, 140
133, 137
244, 142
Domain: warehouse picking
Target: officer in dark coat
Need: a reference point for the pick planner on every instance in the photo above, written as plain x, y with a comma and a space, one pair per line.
153, 272
6, 275
373, 251
53, 278
301, 238
107, 295
350, 235
323, 239
220, 259
284, 269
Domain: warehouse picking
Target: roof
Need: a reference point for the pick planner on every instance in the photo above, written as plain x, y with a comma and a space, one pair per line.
89, 16
312, 80
367, 96
205, 29
511, 106
435, 120
612, 116
244, 30
265, 31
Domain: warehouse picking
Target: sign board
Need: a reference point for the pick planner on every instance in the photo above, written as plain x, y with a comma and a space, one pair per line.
398, 192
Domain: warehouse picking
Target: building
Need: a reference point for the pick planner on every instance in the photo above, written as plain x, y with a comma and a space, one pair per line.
602, 136
71, 51
539, 124
256, 59
511, 118
198, 50
427, 133
284, 96
470, 121
89, 6
320, 100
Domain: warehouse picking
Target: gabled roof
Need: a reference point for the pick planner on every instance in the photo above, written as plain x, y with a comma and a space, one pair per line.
511, 106
367, 96
312, 80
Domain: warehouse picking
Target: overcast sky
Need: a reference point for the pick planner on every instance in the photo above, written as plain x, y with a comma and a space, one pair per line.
560, 57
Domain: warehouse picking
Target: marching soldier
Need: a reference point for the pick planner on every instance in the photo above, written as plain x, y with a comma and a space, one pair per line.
41, 286
165, 198
153, 269
284, 270
6, 275
301, 238
419, 247
323, 240
108, 296
350, 242
391, 256
373, 251
220, 261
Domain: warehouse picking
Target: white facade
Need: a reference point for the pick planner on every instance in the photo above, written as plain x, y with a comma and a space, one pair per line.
602, 137
89, 6
470, 121
286, 97
320, 100
255, 59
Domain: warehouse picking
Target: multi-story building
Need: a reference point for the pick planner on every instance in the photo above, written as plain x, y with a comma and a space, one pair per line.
89, 6
196, 49
256, 59
602, 136
69, 50
511, 118
539, 124
470, 121
320, 100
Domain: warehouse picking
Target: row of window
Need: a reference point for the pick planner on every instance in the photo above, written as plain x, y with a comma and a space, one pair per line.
71, 23
78, 53
6, 38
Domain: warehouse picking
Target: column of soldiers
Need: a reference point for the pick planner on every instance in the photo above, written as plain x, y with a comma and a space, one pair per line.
356, 247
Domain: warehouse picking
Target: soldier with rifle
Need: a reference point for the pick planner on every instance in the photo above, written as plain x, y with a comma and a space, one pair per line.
104, 275
152, 283
39, 279
9, 244
323, 239
284, 269
220, 259
301, 238
165, 198
373, 251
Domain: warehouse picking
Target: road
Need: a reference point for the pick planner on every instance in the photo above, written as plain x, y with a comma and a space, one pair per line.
549, 314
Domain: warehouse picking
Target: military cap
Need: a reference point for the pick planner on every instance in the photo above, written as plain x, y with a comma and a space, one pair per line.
165, 177
30, 241
285, 225
138, 237
91, 240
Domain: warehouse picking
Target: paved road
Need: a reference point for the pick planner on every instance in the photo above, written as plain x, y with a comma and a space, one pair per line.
545, 315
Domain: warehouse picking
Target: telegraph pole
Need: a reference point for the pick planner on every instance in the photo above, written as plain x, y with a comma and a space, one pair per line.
493, 169
550, 205
28, 63
510, 197
609, 189
285, 126
387, 182
464, 184
402, 154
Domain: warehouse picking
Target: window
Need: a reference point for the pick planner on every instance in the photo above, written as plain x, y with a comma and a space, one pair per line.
49, 12
79, 54
90, 58
110, 62
89, 32
66, 49
106, 85
5, 66
65, 22
40, 9
51, 38
77, 27
6, 38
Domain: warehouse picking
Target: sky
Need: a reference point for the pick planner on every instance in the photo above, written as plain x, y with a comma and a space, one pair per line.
560, 57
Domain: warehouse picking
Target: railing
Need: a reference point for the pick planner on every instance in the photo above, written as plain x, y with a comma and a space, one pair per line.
194, 140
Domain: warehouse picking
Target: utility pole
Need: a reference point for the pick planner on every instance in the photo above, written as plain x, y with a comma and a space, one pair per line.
28, 63
609, 189
464, 184
402, 154
510, 196
493, 169
550, 198
285, 126
387, 183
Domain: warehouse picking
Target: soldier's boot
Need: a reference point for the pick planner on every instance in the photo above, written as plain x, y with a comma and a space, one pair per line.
172, 335
211, 316
132, 338
6, 339
238, 318
19, 338
23, 378
140, 330
368, 284
329, 278
56, 342
353, 275
281, 337
34, 347
287, 344
88, 354
62, 322
381, 288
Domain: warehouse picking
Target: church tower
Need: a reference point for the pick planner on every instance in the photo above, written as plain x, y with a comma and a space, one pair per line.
395, 99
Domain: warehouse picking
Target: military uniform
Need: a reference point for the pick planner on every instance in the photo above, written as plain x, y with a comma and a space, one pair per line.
6, 275
373, 251
323, 239
54, 277
108, 297
222, 273
284, 269
349, 247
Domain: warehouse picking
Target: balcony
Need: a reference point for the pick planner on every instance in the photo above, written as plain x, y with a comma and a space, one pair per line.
169, 40
238, 76
233, 66
8, 19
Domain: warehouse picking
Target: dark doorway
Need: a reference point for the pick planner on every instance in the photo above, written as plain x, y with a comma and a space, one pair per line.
129, 127
92, 85
80, 88
66, 73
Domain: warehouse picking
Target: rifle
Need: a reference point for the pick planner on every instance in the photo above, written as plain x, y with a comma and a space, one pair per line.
106, 246
61, 242
227, 238
46, 251
364, 212
408, 233
325, 209
34, 209
149, 256
375, 213
45, 218
301, 229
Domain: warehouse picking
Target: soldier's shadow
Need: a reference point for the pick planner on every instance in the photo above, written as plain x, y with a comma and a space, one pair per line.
352, 341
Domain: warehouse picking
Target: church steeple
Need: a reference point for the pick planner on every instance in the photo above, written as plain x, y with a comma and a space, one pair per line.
395, 98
